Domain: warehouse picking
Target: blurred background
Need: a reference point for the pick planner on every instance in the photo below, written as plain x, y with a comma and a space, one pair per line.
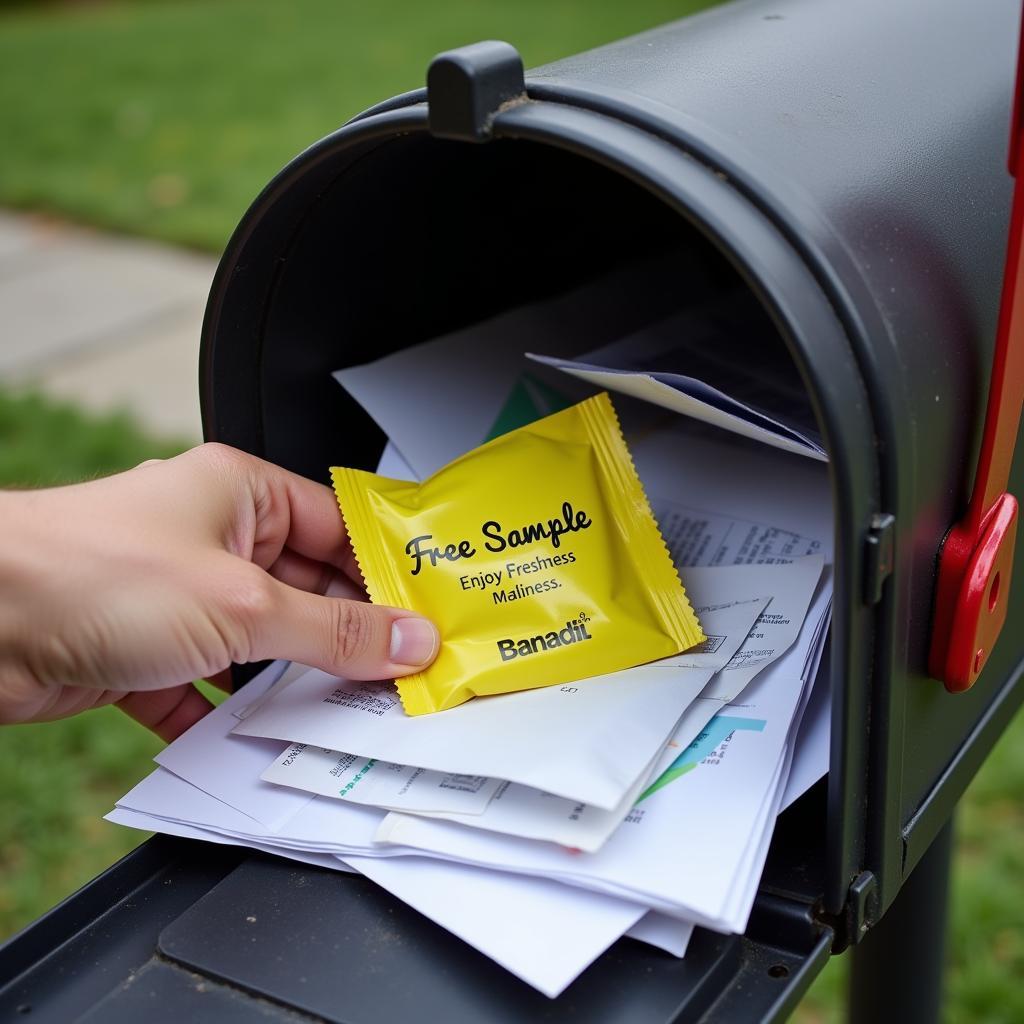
134, 135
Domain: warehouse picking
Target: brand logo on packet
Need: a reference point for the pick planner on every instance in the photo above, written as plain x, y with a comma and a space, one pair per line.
574, 632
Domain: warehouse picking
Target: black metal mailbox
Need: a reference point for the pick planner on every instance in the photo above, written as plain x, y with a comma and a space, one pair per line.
841, 168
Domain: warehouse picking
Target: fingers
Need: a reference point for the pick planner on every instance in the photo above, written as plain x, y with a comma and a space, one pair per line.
222, 680
286, 512
301, 572
299, 514
168, 712
347, 638
317, 529
316, 577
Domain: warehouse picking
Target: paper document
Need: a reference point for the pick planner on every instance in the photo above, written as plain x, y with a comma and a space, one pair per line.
658, 855
751, 504
694, 398
452, 399
667, 933
696, 537
749, 872
742, 391
209, 757
549, 932
544, 933
378, 783
555, 739
776, 629
812, 744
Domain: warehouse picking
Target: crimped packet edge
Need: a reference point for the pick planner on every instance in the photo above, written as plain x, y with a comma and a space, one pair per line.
668, 592
369, 553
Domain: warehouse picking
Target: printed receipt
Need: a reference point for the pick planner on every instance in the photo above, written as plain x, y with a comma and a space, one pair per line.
704, 538
376, 783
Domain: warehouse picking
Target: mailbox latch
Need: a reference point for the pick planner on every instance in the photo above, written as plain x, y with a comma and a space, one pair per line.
468, 86
878, 552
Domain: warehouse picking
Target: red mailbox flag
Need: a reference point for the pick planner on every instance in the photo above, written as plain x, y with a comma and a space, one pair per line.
976, 558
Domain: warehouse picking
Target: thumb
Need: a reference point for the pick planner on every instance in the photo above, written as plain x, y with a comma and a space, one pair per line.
348, 638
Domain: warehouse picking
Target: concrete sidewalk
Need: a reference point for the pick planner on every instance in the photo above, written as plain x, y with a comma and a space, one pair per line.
109, 323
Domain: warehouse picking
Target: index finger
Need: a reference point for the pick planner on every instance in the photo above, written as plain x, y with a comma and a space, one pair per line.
301, 515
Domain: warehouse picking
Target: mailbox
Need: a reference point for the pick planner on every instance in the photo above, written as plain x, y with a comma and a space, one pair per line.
838, 168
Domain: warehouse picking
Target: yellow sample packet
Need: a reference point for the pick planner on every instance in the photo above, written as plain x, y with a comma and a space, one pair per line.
536, 555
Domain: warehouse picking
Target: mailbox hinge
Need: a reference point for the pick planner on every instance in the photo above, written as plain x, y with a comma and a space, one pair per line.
878, 552
857, 916
861, 906
467, 87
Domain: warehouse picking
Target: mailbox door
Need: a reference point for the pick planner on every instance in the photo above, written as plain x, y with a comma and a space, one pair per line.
190, 931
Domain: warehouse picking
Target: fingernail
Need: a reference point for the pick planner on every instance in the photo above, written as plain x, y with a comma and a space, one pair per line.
413, 641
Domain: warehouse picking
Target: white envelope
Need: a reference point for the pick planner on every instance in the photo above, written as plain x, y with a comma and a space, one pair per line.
544, 933
532, 814
692, 397
667, 933
556, 738
151, 823
283, 673
449, 398
228, 767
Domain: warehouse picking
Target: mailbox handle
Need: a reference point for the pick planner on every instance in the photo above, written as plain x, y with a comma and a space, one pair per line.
976, 558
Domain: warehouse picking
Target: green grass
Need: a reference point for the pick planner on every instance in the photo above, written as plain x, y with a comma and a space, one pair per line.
986, 936
59, 779
166, 118
44, 443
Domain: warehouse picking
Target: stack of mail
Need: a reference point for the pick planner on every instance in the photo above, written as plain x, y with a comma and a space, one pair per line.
544, 825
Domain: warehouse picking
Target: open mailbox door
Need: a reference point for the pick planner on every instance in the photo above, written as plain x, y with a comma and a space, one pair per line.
184, 930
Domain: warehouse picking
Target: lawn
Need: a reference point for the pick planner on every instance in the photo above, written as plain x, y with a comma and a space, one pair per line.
164, 120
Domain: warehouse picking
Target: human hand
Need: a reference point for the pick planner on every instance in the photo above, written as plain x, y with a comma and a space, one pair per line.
124, 590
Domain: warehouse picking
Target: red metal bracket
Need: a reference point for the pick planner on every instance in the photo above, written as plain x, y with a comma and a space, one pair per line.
976, 559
